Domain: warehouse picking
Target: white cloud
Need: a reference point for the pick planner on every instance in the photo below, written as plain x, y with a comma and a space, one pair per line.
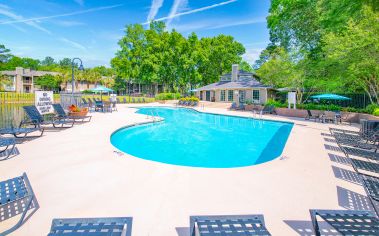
155, 6
252, 54
176, 7
80, 2
8, 13
41, 18
238, 23
72, 43
68, 23
193, 11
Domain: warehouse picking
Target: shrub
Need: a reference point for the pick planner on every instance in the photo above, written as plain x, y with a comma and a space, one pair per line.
271, 102
190, 99
248, 102
167, 96
371, 108
322, 107
376, 112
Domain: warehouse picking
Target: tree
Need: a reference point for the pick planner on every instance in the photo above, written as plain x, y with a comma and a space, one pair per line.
4, 82
48, 82
4, 55
353, 54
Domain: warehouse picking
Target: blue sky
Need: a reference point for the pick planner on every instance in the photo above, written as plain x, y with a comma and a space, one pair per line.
90, 29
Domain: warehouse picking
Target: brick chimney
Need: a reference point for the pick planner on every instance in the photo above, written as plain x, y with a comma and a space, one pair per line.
235, 70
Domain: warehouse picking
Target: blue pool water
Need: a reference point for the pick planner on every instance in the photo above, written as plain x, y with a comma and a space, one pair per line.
189, 138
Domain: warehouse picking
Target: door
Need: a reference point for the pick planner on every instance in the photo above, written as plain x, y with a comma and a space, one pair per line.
208, 96
242, 96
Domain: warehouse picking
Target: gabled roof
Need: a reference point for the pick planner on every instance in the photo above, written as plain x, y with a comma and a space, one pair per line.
240, 84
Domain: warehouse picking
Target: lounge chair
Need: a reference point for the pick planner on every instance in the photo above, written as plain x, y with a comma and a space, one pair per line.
195, 104
118, 100
367, 166
62, 114
233, 106
133, 100
36, 119
16, 198
117, 226
371, 186
231, 225
310, 116
355, 143
346, 222
21, 132
89, 100
139, 100
349, 151
143, 100
84, 102
268, 110
7, 146
124, 99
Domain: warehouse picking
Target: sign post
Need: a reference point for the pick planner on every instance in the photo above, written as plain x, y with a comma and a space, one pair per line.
44, 102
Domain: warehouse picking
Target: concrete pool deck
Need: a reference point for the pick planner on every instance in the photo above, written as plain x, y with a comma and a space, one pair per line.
76, 172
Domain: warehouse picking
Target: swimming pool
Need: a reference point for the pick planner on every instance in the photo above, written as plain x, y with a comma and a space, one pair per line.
190, 138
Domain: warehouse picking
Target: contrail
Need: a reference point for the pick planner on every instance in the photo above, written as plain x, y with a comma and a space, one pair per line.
60, 15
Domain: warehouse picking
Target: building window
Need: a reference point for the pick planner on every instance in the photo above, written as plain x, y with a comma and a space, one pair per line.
222, 96
256, 96
230, 95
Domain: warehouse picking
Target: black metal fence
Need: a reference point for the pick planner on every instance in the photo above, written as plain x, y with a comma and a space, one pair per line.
357, 100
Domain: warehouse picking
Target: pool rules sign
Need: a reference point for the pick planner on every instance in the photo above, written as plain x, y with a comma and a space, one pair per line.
44, 102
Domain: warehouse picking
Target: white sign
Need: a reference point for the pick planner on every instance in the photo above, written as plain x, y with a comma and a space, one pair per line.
44, 102
292, 99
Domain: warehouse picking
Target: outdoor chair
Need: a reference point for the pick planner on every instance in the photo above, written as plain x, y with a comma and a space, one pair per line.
118, 100
349, 151
89, 100
195, 104
99, 105
233, 106
114, 106
16, 197
364, 165
133, 100
107, 106
241, 107
228, 225
180, 103
371, 186
117, 226
36, 119
143, 100
124, 99
355, 143
310, 116
21, 132
62, 114
7, 146
346, 222
268, 110
84, 102
329, 116
138, 100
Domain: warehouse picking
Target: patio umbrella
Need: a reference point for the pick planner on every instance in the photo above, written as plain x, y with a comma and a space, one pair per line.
101, 90
330, 96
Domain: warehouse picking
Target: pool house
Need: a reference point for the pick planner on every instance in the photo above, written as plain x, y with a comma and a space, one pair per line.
239, 86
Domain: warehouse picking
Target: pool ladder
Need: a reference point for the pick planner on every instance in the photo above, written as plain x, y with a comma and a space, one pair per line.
154, 116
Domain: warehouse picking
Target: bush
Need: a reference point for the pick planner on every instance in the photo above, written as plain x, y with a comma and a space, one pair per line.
322, 107
167, 96
274, 103
371, 108
190, 99
376, 112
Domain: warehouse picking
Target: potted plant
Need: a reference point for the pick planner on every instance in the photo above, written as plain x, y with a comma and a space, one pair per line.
249, 105
77, 111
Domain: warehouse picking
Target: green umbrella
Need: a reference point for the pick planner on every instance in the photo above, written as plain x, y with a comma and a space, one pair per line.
101, 90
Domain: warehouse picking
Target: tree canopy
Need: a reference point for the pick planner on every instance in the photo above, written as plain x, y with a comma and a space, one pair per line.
323, 45
157, 56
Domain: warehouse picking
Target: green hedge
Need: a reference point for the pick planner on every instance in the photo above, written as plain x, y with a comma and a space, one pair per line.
167, 96
370, 109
